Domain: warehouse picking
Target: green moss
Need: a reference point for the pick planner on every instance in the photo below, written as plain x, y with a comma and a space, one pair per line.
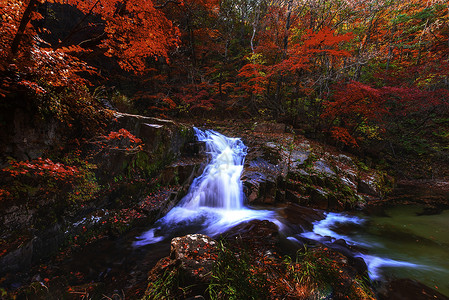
323, 272
187, 133
165, 287
233, 277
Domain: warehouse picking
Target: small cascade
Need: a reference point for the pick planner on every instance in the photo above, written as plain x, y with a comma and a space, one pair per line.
215, 199
219, 186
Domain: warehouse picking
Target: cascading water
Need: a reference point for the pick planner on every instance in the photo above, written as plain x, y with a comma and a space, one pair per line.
219, 186
214, 202
325, 229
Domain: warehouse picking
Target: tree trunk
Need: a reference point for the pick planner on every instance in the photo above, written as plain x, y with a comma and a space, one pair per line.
277, 96
26, 18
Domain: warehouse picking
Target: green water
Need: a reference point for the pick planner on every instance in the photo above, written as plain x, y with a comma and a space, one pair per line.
401, 233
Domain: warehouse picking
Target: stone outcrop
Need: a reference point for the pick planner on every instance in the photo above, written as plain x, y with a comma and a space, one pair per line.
164, 141
191, 261
290, 168
195, 256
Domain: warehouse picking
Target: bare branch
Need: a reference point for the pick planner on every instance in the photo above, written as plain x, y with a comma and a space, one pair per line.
167, 3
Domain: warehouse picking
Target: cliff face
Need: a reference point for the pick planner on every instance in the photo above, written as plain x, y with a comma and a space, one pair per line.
112, 189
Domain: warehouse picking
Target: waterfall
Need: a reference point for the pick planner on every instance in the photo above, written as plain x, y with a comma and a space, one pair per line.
215, 200
219, 186
215, 203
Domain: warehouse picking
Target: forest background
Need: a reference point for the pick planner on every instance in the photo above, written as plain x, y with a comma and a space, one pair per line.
370, 77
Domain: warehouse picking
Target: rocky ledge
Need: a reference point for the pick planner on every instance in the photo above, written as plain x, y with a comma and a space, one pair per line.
247, 263
285, 167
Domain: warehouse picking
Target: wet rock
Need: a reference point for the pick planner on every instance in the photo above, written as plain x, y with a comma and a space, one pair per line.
301, 216
296, 197
367, 186
319, 199
262, 180
195, 254
257, 235
356, 262
182, 171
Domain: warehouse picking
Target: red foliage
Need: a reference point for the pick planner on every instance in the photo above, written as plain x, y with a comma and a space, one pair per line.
352, 105
324, 40
342, 135
122, 140
41, 167
134, 31
197, 96
356, 100
123, 134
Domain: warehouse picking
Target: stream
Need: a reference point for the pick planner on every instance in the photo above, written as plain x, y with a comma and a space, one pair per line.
399, 241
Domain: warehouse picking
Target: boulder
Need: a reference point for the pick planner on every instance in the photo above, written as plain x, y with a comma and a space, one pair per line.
367, 186
319, 198
258, 235
302, 216
195, 254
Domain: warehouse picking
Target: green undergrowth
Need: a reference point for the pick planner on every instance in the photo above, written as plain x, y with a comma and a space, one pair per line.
318, 273
322, 273
236, 277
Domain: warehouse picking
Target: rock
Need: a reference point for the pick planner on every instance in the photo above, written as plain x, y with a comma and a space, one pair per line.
25, 136
261, 181
367, 186
296, 198
257, 235
298, 157
343, 248
270, 127
322, 167
195, 254
302, 216
345, 160
182, 171
190, 264
17, 259
17, 217
319, 198
271, 153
